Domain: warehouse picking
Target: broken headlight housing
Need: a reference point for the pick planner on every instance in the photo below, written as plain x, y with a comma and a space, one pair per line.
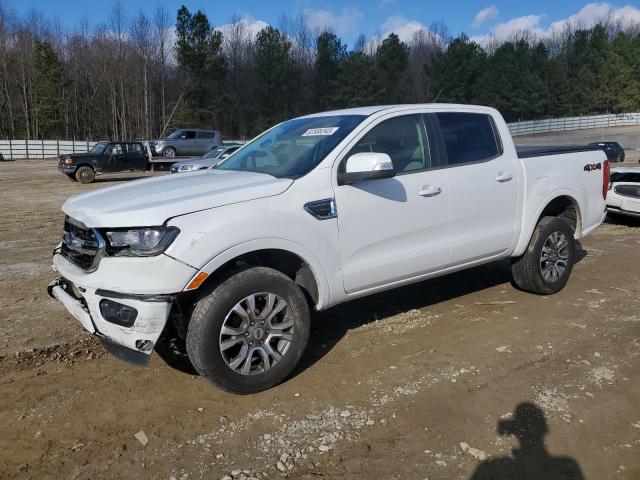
140, 242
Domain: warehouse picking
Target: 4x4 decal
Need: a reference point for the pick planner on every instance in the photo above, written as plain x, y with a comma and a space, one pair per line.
592, 166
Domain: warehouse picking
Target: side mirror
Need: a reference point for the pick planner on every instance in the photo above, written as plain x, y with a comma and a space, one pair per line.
366, 166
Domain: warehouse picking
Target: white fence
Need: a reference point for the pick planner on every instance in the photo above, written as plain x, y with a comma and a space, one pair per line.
574, 123
20, 149
12, 149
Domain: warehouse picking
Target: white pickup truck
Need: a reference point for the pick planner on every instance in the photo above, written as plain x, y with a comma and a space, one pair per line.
314, 212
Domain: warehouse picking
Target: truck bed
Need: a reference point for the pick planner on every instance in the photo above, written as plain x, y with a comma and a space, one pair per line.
541, 151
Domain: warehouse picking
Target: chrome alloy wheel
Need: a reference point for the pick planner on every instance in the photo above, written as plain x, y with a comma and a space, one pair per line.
554, 256
256, 333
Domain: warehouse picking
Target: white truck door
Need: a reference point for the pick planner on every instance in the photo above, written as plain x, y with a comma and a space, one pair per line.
394, 228
484, 186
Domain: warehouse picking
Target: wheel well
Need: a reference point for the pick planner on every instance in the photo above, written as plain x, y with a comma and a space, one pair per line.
565, 208
85, 165
284, 261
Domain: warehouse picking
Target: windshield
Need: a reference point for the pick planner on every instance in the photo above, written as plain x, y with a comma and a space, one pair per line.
214, 153
293, 148
98, 148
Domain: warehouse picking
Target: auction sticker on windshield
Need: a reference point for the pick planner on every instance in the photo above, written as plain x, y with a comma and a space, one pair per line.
315, 132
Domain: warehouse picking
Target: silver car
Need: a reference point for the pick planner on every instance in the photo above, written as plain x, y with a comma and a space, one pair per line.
186, 142
208, 160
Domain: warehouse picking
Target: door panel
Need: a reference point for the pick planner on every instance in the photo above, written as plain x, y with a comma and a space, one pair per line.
188, 144
483, 209
389, 232
484, 187
116, 161
136, 159
395, 228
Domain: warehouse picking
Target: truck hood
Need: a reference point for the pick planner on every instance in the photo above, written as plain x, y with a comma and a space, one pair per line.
152, 201
77, 156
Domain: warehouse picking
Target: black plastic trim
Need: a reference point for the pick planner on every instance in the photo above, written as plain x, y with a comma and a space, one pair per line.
333, 211
537, 151
161, 298
345, 178
123, 353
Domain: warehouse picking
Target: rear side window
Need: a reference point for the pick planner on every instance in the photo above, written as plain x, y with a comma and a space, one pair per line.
204, 135
402, 138
468, 137
134, 148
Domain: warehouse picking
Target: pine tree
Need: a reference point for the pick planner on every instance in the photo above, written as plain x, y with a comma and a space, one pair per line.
330, 53
276, 78
357, 82
49, 90
454, 73
392, 59
198, 55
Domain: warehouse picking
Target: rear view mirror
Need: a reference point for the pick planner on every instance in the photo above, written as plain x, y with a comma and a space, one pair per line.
366, 166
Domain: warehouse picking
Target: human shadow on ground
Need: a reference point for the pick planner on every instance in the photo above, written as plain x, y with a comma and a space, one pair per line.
531, 461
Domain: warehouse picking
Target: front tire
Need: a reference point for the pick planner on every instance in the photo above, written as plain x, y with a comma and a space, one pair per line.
169, 152
85, 175
546, 265
249, 332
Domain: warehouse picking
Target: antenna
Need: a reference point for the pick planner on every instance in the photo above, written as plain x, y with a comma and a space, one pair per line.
436, 99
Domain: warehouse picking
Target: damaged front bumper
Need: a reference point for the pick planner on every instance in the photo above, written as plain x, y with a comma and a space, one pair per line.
131, 337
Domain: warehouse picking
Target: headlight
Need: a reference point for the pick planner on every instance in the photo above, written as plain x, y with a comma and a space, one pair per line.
140, 242
186, 168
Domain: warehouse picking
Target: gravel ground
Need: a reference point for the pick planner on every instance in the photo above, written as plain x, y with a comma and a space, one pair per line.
458, 377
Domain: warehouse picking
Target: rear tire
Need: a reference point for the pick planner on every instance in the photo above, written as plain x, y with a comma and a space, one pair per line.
246, 358
546, 265
85, 175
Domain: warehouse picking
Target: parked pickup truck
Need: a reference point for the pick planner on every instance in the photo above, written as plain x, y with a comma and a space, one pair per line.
104, 157
314, 212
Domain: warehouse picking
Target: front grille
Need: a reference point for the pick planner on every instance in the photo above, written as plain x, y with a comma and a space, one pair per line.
83, 246
628, 190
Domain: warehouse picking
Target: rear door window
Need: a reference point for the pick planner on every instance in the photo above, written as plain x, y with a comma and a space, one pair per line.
134, 148
204, 135
468, 137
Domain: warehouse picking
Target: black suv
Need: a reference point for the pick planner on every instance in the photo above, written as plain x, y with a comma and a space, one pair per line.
104, 157
614, 151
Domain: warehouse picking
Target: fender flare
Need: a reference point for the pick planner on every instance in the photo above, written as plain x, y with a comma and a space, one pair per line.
249, 246
525, 236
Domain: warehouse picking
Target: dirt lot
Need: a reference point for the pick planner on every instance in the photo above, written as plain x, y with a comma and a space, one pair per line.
409, 384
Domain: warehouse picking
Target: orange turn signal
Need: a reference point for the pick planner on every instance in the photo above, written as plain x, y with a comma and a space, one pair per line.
197, 281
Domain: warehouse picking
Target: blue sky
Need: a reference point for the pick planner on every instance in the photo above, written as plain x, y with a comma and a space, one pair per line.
477, 18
